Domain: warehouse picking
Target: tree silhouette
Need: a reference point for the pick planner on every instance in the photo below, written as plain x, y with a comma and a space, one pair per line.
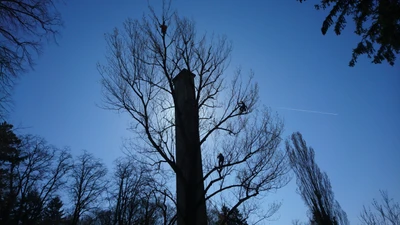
87, 186
53, 213
314, 185
138, 78
43, 171
377, 23
133, 197
30, 209
9, 143
10, 158
385, 212
231, 217
31, 172
24, 25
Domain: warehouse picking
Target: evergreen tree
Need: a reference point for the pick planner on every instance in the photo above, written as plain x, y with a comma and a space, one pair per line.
9, 142
31, 207
9, 160
231, 217
53, 213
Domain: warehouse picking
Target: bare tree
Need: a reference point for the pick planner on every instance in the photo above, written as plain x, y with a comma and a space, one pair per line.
134, 199
88, 184
314, 185
138, 78
386, 212
32, 171
24, 24
41, 173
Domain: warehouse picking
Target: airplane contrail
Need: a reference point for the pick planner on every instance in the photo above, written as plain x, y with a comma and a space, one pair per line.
309, 111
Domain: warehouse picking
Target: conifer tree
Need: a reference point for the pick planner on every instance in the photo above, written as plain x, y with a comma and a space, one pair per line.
53, 213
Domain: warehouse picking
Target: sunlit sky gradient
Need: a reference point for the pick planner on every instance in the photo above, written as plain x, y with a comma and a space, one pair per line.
295, 65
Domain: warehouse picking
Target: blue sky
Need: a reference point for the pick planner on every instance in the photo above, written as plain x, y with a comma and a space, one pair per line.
294, 64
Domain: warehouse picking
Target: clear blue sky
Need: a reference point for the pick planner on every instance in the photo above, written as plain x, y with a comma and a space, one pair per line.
295, 66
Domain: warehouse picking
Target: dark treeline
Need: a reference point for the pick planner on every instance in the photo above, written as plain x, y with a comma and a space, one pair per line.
43, 184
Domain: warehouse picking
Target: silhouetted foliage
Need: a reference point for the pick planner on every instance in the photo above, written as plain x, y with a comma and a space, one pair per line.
30, 209
31, 172
9, 143
24, 25
314, 185
229, 216
10, 158
377, 22
54, 213
384, 212
34, 173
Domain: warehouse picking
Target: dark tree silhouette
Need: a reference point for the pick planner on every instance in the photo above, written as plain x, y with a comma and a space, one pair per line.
134, 199
31, 172
10, 155
377, 23
43, 170
385, 212
87, 185
230, 217
10, 158
24, 25
99, 217
54, 213
143, 59
9, 143
30, 209
314, 185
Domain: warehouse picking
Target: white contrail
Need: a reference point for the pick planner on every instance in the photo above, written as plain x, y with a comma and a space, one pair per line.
309, 111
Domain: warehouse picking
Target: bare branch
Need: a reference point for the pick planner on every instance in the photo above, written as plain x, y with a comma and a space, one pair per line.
385, 212
142, 60
24, 24
88, 184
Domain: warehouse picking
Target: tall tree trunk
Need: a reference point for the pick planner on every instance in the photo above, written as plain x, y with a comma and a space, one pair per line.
191, 207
